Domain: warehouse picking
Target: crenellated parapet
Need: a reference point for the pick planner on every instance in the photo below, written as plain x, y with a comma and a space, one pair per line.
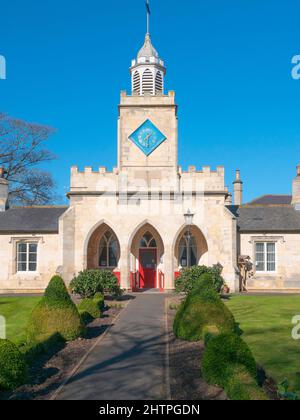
204, 178
92, 180
192, 180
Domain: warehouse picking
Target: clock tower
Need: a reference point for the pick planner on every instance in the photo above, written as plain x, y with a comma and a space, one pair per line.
147, 125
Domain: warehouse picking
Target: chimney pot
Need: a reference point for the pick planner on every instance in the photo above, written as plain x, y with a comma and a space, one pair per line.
238, 189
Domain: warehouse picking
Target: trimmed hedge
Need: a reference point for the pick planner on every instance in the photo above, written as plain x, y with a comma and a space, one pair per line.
243, 387
99, 300
55, 314
90, 309
190, 278
222, 355
45, 344
202, 308
13, 372
90, 282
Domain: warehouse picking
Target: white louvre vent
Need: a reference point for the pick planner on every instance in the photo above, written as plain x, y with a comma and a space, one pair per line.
147, 83
159, 83
136, 84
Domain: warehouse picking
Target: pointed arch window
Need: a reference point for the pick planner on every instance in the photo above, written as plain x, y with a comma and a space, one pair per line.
188, 252
136, 82
148, 241
109, 251
159, 83
147, 82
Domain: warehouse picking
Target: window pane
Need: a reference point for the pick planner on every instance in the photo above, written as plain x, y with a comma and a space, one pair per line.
32, 266
152, 244
103, 258
143, 244
148, 237
271, 257
22, 267
33, 248
260, 256
22, 257
260, 247
22, 247
32, 257
113, 254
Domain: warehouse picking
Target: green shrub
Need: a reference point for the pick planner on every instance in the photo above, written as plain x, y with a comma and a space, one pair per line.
243, 387
45, 345
202, 308
90, 309
13, 370
90, 282
223, 354
99, 300
55, 314
190, 277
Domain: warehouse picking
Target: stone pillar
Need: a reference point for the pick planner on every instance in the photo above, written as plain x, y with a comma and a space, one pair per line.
169, 267
238, 189
124, 264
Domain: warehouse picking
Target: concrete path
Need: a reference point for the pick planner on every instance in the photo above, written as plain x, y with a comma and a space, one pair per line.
130, 362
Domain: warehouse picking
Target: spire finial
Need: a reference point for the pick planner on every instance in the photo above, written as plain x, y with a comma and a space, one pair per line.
148, 16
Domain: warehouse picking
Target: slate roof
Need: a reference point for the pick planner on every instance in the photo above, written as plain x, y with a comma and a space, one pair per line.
31, 219
272, 200
267, 218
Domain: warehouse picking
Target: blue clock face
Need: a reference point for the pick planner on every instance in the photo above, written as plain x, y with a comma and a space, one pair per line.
147, 137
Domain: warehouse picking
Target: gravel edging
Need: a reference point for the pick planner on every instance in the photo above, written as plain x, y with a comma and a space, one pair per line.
186, 383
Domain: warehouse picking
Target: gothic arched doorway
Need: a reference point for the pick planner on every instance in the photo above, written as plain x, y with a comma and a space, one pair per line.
147, 251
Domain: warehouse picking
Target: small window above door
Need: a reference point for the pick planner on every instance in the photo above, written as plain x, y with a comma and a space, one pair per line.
148, 241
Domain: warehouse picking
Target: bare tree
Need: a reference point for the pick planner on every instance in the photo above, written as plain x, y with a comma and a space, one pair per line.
21, 154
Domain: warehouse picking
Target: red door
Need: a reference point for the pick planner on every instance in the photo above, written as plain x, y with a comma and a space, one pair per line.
148, 266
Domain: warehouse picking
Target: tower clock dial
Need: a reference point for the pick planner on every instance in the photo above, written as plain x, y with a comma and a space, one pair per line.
147, 137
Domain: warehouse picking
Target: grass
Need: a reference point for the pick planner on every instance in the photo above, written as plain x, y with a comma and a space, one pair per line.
267, 325
16, 312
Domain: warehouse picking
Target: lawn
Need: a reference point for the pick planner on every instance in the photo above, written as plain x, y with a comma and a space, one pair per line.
17, 311
267, 325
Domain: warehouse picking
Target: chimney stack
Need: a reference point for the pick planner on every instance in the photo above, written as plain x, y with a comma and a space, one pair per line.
238, 189
3, 191
296, 189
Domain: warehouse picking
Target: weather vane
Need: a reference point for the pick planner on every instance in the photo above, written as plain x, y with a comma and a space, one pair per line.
148, 16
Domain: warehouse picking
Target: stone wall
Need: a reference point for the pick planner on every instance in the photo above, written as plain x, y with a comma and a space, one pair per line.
287, 275
48, 263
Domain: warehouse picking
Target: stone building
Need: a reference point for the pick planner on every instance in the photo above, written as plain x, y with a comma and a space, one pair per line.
148, 219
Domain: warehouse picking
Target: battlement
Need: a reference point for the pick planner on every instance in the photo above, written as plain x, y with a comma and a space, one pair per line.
205, 170
147, 100
102, 180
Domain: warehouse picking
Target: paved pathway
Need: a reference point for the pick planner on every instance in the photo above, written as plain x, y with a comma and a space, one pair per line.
129, 363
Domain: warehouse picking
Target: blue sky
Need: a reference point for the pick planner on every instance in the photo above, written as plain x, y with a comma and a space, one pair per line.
228, 61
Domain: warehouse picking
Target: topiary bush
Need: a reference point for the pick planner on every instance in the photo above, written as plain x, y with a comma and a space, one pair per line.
242, 386
99, 300
13, 371
190, 277
202, 308
223, 354
90, 282
89, 309
56, 314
